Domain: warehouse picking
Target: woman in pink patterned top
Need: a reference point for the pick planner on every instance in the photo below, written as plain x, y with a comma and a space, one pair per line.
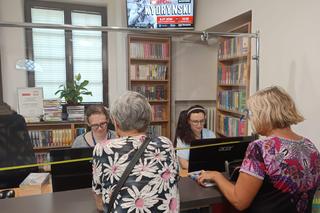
280, 172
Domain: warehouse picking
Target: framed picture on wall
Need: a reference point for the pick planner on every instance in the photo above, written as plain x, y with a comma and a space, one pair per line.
30, 103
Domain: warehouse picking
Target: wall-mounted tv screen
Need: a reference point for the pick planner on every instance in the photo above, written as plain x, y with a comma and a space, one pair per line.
160, 14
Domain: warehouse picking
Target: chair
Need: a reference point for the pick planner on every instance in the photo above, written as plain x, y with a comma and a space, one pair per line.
15, 149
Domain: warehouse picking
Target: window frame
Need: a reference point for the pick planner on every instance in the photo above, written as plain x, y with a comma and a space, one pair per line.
68, 9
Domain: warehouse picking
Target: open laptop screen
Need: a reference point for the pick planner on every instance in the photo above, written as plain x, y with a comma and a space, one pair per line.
213, 157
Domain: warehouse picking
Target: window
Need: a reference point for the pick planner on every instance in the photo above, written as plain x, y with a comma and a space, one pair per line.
60, 54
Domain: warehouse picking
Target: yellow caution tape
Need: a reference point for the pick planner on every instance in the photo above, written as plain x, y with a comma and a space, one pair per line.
208, 145
90, 158
45, 164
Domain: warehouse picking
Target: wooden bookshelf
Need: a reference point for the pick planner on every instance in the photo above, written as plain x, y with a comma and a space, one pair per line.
233, 86
52, 135
149, 73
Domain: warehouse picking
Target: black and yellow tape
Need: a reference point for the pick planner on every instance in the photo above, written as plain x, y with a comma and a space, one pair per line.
90, 158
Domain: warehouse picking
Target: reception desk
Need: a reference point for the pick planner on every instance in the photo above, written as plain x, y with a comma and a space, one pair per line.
191, 196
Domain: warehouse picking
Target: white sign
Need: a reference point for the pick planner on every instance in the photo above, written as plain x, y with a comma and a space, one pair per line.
30, 102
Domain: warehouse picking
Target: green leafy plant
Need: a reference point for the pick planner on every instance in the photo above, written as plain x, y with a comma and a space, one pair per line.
73, 92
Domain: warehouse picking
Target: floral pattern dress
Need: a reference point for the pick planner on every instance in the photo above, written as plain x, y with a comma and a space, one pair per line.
152, 185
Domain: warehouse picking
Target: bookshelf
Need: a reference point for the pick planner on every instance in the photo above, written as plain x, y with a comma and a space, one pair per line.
52, 135
233, 86
149, 73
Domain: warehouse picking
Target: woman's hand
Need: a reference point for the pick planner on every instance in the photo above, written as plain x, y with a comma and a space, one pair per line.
206, 176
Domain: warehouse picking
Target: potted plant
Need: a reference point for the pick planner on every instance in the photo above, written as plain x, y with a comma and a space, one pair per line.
73, 92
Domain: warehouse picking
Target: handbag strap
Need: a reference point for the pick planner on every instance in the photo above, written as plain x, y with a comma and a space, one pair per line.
126, 173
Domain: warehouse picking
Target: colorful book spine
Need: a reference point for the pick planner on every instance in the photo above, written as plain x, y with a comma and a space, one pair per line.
234, 100
231, 126
51, 138
148, 72
149, 50
233, 47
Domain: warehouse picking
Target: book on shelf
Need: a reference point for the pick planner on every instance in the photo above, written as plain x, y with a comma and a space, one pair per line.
158, 112
52, 110
231, 126
75, 113
80, 131
151, 92
154, 131
233, 47
51, 138
149, 50
148, 72
232, 74
234, 100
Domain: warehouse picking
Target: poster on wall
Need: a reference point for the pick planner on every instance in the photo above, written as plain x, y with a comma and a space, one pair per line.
160, 14
30, 103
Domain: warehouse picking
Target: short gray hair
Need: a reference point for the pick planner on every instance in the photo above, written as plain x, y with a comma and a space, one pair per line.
131, 111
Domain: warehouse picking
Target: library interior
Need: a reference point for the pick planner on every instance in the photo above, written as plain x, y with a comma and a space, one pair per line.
159, 106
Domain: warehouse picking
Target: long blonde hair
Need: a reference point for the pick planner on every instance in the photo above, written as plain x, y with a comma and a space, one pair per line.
272, 108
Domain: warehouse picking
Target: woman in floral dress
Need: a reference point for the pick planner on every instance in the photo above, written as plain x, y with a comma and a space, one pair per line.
152, 184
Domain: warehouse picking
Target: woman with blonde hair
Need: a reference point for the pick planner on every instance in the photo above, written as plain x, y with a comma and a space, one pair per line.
280, 172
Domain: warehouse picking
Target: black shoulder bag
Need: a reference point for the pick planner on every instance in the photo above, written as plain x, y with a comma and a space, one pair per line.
126, 173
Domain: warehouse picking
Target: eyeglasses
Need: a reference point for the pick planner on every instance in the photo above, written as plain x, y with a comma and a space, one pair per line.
247, 115
196, 122
101, 125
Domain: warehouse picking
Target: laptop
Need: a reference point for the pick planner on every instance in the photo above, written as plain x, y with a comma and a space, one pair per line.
213, 153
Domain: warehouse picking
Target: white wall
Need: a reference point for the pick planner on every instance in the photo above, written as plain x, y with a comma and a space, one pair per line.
192, 67
289, 48
289, 51
12, 47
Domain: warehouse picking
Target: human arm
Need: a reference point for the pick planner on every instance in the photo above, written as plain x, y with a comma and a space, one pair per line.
183, 154
252, 173
240, 194
184, 164
99, 203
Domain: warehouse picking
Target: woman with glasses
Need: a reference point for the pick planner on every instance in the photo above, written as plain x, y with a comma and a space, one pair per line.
281, 171
190, 127
97, 118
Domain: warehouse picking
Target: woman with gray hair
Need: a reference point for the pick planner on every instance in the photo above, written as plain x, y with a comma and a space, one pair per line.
152, 183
